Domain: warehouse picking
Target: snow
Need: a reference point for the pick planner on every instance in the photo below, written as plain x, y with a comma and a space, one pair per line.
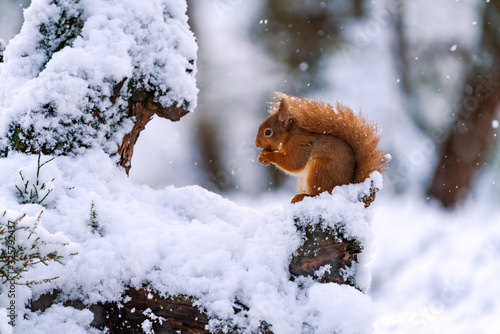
185, 241
148, 44
58, 319
11, 17
5, 328
435, 271
147, 327
437, 19
338, 310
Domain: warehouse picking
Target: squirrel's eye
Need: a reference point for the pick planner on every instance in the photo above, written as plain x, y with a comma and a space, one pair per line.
268, 132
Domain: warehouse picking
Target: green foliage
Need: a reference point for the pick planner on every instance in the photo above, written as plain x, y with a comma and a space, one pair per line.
22, 245
37, 192
61, 31
93, 221
60, 133
21, 250
17, 140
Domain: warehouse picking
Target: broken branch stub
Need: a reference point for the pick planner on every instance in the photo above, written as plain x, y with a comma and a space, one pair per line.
142, 107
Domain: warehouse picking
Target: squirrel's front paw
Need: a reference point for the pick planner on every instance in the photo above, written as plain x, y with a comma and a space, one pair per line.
264, 158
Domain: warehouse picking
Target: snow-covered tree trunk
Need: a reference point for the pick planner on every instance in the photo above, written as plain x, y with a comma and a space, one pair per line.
85, 74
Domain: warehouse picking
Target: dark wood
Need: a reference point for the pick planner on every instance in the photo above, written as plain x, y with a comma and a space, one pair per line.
142, 107
472, 137
465, 152
126, 149
368, 199
323, 247
178, 312
178, 315
2, 49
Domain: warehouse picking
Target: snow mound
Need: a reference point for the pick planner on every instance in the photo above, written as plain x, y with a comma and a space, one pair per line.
58, 319
184, 241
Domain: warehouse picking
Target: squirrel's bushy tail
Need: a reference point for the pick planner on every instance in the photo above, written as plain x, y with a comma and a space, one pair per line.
339, 121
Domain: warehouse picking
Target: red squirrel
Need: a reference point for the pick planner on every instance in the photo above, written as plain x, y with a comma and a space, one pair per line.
324, 145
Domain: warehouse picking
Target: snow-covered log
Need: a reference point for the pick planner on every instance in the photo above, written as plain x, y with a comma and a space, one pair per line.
91, 73
232, 262
326, 255
164, 314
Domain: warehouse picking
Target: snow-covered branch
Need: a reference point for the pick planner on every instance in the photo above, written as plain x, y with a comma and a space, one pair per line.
74, 75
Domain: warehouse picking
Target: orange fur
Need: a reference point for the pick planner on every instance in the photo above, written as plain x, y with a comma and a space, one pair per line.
339, 121
324, 146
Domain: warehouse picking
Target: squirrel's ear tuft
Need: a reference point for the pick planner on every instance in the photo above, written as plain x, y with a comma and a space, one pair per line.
283, 115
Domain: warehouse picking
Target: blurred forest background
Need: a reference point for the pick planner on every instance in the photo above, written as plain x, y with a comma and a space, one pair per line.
427, 71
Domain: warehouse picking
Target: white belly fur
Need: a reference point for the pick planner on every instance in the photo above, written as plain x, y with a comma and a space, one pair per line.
302, 179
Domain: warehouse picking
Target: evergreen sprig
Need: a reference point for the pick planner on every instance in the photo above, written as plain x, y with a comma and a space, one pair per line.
93, 220
33, 194
17, 256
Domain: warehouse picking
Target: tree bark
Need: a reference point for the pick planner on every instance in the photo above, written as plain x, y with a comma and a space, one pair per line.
178, 313
473, 135
466, 150
142, 107
322, 249
326, 248
2, 49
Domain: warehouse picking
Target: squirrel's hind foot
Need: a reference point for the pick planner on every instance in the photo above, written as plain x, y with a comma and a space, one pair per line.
300, 197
